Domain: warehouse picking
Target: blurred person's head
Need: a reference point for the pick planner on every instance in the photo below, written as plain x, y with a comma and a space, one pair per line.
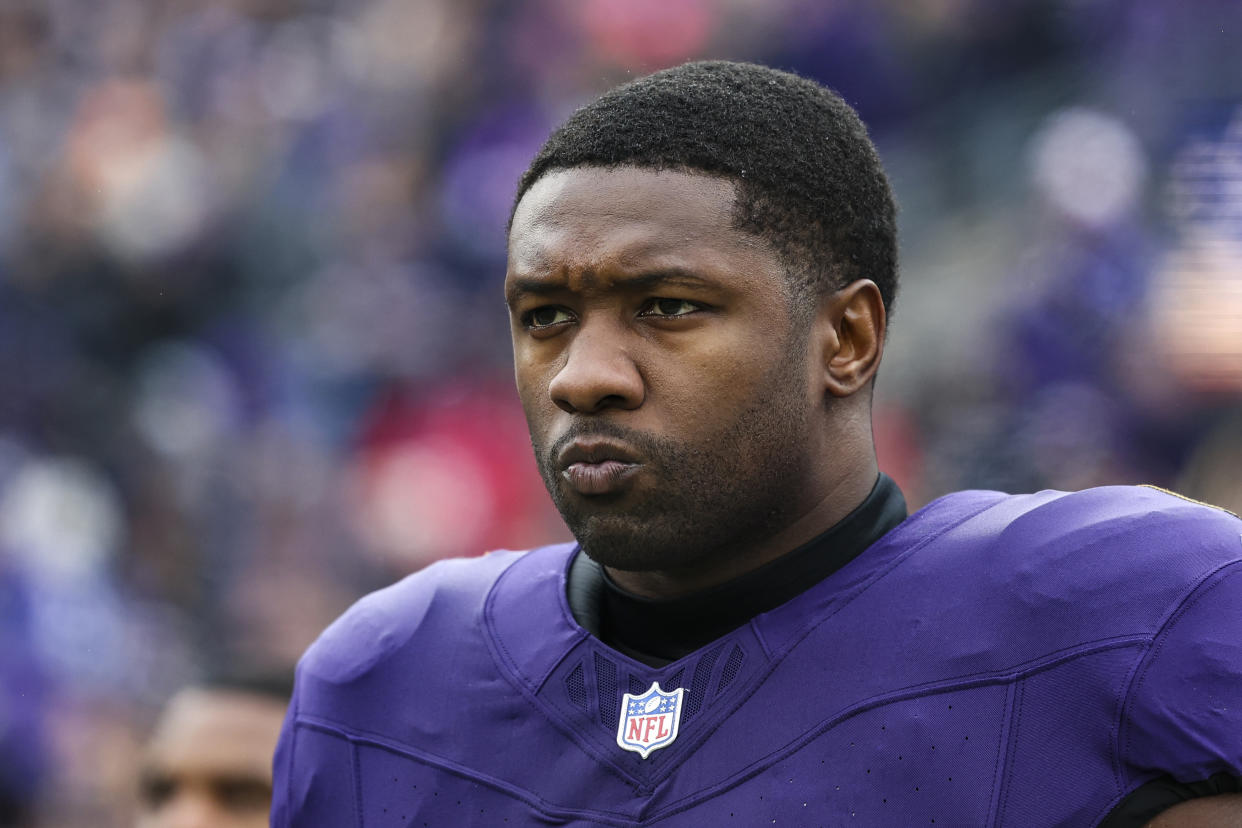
209, 761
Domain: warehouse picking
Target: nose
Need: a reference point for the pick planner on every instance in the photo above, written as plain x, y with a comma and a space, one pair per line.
598, 374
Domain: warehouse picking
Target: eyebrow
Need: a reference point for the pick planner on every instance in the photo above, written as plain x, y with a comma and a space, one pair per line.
646, 280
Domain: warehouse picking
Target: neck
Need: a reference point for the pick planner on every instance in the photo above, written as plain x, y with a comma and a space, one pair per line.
836, 500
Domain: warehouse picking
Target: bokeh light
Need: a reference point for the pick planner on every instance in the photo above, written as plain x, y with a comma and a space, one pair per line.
1088, 166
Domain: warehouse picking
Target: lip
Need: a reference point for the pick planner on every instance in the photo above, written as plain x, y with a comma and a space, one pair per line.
597, 467
598, 478
585, 450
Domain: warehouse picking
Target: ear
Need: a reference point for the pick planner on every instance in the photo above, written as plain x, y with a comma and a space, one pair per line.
850, 326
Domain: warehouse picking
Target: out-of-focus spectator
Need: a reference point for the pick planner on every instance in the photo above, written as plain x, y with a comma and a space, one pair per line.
209, 761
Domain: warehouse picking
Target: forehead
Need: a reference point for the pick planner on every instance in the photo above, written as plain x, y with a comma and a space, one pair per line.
590, 218
215, 731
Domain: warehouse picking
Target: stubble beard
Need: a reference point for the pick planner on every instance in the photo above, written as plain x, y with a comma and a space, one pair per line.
703, 501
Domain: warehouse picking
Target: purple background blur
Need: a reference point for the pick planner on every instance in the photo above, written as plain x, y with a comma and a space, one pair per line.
254, 359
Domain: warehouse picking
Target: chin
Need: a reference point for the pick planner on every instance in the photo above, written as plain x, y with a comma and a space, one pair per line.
625, 543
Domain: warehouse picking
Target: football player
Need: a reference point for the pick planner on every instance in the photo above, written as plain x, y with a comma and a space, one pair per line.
750, 630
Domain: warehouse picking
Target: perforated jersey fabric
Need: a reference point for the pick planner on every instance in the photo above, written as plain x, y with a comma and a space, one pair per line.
994, 660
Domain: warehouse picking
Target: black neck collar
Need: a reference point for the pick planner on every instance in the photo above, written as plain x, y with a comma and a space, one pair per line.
660, 631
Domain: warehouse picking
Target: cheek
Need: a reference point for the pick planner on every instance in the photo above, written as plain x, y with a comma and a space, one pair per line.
532, 389
728, 369
709, 397
528, 377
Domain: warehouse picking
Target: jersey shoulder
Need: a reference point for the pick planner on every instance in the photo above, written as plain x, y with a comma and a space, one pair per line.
413, 628
1105, 533
1109, 561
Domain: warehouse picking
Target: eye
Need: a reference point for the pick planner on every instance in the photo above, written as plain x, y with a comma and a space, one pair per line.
242, 796
545, 317
156, 790
670, 307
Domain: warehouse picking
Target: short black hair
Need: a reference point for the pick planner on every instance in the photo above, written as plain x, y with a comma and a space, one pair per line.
273, 682
808, 178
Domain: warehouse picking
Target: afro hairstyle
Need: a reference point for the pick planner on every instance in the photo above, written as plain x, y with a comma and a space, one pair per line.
808, 179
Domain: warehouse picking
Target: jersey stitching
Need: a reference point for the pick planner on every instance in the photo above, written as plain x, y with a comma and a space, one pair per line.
1196, 594
1018, 695
1012, 674
505, 665
1002, 748
354, 739
489, 621
1115, 735
359, 810
763, 643
875, 579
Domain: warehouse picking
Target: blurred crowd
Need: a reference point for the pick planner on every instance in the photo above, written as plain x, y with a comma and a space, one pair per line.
254, 357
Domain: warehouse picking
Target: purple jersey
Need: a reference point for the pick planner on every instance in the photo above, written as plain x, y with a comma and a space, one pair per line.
994, 660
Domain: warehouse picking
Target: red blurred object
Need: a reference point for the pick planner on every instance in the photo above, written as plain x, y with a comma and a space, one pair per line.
447, 471
645, 34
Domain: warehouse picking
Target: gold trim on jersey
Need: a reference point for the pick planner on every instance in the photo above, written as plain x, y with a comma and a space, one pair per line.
1187, 499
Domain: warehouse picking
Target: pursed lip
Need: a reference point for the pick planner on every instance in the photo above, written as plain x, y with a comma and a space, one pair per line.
594, 451
596, 467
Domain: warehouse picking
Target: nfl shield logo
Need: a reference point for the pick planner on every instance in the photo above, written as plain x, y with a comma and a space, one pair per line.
649, 722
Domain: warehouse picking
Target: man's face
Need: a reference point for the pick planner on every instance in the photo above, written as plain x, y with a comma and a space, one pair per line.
668, 392
209, 764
